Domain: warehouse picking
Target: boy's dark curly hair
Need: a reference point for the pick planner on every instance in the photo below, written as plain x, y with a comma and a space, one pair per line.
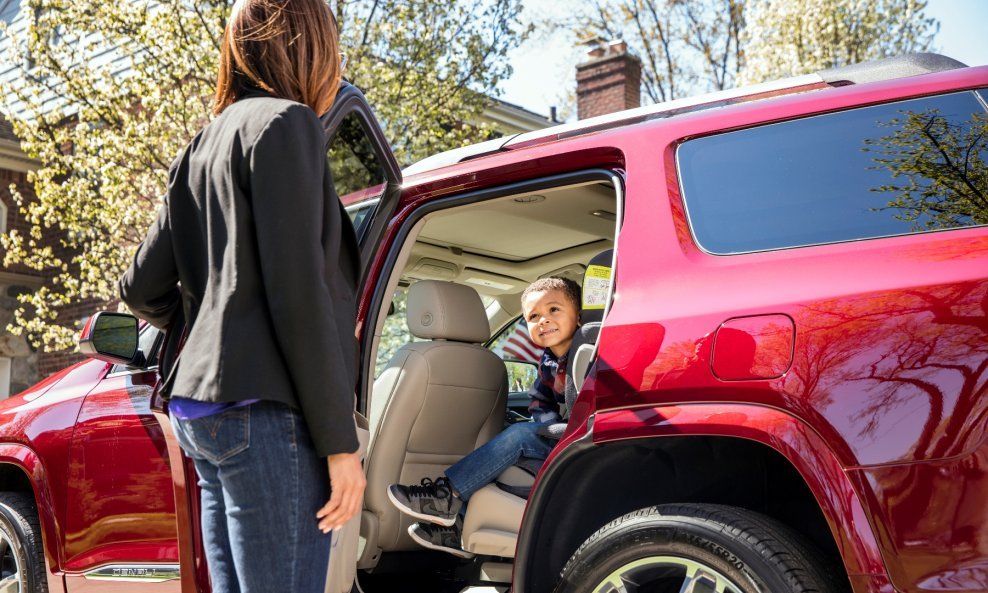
568, 287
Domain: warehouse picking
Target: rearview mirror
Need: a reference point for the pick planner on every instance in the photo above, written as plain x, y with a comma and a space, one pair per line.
111, 337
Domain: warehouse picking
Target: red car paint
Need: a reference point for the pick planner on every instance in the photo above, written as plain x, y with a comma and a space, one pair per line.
868, 374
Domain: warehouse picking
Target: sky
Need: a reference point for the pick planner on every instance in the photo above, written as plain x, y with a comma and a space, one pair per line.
544, 66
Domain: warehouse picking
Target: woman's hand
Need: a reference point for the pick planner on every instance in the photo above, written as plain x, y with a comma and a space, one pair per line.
346, 478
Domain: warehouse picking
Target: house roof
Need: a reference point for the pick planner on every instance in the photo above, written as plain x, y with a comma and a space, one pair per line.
522, 110
514, 119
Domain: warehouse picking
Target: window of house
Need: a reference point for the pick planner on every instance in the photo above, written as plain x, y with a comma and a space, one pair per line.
893, 169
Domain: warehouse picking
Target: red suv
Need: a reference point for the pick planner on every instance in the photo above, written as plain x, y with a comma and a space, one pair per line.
789, 391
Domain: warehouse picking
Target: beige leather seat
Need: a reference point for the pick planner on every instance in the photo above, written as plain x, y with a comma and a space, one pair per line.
434, 403
493, 517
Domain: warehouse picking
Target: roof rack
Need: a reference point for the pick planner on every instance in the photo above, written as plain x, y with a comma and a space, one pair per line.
889, 69
610, 120
874, 71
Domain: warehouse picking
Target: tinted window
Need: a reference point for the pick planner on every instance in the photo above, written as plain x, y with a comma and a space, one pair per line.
357, 172
893, 169
360, 214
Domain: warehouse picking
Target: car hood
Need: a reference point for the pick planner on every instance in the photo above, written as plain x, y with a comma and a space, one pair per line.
69, 383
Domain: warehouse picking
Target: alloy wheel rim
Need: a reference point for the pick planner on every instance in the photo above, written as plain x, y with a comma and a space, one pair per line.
11, 576
670, 574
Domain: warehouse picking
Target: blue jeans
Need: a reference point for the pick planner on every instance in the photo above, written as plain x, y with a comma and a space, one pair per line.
262, 484
486, 463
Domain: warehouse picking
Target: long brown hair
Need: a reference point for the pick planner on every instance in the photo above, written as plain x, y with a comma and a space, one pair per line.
289, 48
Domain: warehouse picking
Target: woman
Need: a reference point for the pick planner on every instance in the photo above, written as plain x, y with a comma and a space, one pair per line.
252, 246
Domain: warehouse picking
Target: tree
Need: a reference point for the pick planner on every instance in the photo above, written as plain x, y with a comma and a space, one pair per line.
940, 179
694, 46
108, 93
791, 37
686, 46
427, 67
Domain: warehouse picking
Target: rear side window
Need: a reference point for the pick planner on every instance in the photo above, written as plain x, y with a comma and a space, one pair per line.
899, 168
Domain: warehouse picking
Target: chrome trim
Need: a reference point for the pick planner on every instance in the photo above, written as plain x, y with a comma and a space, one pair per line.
131, 371
14, 577
457, 155
134, 573
361, 205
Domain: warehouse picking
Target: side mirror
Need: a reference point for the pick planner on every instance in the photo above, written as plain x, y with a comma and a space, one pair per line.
112, 337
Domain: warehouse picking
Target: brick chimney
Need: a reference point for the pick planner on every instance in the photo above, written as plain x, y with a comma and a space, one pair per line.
609, 81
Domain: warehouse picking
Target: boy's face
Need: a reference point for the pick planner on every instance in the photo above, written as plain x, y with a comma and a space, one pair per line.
552, 319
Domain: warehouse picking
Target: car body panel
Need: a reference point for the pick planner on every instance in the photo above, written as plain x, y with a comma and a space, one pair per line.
119, 479
934, 520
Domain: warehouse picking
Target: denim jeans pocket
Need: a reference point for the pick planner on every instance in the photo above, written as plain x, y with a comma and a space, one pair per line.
216, 437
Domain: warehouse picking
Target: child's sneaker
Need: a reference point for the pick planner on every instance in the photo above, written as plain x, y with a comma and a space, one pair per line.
444, 539
432, 502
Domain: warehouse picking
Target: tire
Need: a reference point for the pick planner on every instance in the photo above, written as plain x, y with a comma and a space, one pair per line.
22, 557
667, 548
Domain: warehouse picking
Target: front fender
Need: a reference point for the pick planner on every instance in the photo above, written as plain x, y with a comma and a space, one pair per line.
27, 461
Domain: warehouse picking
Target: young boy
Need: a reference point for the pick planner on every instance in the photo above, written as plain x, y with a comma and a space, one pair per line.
551, 307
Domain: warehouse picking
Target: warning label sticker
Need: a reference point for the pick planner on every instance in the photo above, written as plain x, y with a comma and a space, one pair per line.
596, 284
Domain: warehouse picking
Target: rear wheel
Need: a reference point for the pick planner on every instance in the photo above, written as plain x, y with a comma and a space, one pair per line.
688, 548
22, 560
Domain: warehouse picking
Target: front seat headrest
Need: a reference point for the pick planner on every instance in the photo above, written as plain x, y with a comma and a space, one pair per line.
446, 311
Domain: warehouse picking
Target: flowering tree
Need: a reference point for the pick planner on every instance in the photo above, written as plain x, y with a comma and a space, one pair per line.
107, 93
791, 37
694, 46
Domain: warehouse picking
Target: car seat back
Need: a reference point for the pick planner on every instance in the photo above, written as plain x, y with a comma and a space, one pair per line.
435, 402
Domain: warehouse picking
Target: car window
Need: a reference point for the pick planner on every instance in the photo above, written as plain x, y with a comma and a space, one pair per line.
360, 214
148, 343
395, 333
358, 175
515, 344
893, 169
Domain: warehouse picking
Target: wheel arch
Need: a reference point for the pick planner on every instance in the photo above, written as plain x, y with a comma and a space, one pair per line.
637, 458
21, 470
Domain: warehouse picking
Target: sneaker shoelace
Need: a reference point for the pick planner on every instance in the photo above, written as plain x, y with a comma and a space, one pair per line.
438, 489
448, 536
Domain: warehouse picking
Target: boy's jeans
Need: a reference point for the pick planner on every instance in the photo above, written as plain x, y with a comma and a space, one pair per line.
485, 464
262, 484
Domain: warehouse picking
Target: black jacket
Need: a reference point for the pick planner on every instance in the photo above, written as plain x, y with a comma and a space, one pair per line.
267, 261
